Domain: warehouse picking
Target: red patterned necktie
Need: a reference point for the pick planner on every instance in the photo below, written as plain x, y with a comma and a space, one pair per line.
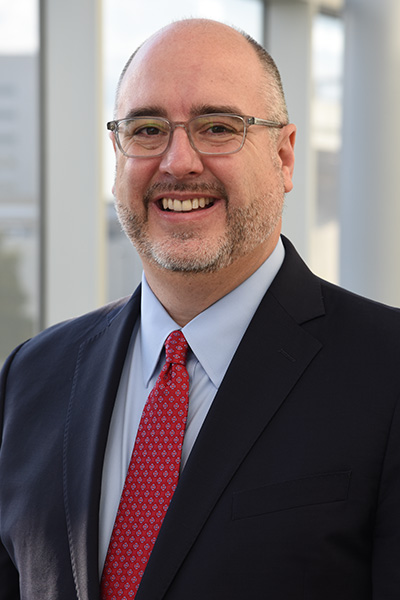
152, 476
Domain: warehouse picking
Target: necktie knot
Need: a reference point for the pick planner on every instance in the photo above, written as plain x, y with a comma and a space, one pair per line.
176, 348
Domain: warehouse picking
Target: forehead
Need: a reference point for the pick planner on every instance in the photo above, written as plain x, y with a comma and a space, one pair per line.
191, 66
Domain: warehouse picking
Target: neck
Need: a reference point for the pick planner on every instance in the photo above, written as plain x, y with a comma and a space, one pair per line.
185, 295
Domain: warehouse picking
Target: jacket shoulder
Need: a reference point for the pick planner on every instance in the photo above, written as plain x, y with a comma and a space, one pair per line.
359, 310
56, 341
82, 326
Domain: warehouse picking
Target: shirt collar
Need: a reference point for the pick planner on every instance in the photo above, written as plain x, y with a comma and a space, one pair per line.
155, 326
214, 334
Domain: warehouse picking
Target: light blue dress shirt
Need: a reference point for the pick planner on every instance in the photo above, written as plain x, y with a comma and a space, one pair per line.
213, 337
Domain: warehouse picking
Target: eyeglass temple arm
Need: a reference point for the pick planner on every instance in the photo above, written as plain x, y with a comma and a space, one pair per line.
256, 121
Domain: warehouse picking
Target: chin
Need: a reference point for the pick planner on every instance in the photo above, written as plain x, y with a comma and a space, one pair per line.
193, 260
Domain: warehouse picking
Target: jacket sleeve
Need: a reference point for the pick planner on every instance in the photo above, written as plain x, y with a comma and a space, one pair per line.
386, 548
9, 580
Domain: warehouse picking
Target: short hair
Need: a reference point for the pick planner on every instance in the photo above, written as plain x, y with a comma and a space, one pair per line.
121, 77
273, 81
273, 88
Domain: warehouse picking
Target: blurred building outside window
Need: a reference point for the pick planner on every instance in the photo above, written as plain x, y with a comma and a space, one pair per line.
19, 173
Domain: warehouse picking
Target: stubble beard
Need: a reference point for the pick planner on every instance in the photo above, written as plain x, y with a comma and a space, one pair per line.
246, 228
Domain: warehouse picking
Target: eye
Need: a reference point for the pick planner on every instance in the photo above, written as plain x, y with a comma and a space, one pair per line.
218, 127
148, 131
145, 128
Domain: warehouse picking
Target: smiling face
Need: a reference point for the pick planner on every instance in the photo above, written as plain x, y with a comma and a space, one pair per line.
188, 212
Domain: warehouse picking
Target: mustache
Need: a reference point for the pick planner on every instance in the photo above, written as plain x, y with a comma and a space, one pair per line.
213, 189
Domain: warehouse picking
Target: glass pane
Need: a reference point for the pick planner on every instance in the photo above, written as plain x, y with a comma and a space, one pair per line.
127, 24
328, 46
19, 173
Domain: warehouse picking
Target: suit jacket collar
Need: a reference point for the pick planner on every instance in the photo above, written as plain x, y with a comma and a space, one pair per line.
297, 288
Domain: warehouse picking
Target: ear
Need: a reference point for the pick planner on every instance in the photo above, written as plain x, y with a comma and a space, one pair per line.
285, 149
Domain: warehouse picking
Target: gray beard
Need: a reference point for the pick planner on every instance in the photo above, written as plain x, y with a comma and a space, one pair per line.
247, 227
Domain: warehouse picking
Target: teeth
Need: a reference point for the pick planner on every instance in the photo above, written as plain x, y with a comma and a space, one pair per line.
185, 205
177, 205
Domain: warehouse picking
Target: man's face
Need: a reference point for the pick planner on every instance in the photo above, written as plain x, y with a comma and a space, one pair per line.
235, 200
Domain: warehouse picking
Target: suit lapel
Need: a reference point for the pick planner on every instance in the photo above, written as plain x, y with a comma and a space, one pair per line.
97, 374
271, 358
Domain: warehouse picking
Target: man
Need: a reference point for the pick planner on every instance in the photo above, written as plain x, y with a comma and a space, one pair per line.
289, 480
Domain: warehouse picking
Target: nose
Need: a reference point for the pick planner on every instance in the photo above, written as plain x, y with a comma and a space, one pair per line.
181, 159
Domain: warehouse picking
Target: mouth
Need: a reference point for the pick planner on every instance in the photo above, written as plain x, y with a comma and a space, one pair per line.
187, 205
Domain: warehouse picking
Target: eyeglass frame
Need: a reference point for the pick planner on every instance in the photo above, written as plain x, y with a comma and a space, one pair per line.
247, 122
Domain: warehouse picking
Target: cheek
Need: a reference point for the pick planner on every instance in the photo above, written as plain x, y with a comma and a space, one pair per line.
243, 186
232, 174
250, 173
130, 182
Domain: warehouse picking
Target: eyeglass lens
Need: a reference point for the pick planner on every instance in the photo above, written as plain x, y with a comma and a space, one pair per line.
210, 134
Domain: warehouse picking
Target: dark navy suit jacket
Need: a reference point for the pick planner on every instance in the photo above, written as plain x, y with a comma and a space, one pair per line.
292, 489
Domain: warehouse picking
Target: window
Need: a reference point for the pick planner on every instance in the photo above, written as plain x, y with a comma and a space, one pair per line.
19, 173
328, 47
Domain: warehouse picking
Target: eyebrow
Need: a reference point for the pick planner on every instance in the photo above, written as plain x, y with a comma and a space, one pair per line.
146, 111
209, 109
200, 109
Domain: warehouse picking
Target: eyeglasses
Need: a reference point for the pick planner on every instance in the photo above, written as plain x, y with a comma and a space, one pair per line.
213, 134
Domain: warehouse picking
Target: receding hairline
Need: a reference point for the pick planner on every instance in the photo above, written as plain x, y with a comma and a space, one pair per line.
273, 79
